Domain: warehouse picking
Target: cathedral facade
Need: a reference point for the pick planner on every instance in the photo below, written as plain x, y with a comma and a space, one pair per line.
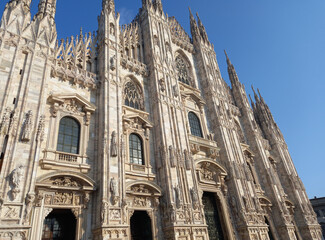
132, 133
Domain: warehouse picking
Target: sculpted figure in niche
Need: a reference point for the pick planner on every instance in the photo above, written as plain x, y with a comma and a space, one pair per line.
4, 126
27, 130
104, 211
172, 156
195, 198
16, 178
178, 196
114, 191
30, 198
114, 145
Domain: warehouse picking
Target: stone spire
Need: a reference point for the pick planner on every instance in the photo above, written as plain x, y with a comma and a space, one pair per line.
233, 77
109, 5
46, 8
203, 32
194, 27
158, 5
265, 118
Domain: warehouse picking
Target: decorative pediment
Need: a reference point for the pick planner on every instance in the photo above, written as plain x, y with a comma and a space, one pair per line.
195, 97
136, 121
67, 181
143, 188
72, 103
210, 172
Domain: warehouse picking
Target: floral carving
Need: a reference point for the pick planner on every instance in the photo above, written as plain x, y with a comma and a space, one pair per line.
140, 189
65, 182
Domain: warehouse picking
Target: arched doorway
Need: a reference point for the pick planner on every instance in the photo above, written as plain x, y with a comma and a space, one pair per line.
60, 224
141, 226
212, 216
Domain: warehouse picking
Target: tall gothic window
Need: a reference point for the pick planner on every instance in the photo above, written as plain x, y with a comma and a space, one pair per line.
195, 125
133, 96
136, 150
69, 136
183, 72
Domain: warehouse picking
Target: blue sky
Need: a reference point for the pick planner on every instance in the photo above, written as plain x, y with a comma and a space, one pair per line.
278, 46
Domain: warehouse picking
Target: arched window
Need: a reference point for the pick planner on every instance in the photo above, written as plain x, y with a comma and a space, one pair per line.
69, 136
195, 125
133, 96
136, 149
183, 71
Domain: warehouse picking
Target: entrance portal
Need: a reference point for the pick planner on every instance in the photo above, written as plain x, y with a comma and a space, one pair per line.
60, 224
141, 226
212, 216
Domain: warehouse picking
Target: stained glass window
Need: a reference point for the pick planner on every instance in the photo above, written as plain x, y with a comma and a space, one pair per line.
69, 136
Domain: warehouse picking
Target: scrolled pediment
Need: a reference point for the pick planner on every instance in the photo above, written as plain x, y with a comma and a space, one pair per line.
136, 121
72, 103
210, 172
66, 180
143, 188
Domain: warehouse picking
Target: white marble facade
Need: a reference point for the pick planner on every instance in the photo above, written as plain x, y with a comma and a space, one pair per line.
159, 134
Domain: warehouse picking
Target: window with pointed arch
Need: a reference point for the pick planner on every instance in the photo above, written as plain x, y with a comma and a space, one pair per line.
195, 125
69, 136
136, 149
133, 95
183, 70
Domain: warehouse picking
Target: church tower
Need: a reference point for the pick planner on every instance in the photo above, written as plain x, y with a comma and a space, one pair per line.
131, 132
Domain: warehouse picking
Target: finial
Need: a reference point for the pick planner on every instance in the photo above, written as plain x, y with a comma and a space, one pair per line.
255, 95
259, 93
228, 60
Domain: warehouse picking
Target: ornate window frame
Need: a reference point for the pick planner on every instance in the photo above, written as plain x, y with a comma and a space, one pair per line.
74, 106
137, 123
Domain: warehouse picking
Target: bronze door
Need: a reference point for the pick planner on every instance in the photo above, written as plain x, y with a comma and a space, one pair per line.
212, 217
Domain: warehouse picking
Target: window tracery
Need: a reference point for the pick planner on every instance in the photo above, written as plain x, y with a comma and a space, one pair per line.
183, 71
133, 96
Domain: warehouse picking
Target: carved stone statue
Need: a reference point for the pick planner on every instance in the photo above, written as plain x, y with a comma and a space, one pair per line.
172, 156
124, 207
113, 63
114, 191
188, 162
178, 196
104, 212
28, 125
195, 199
4, 125
16, 178
114, 145
30, 198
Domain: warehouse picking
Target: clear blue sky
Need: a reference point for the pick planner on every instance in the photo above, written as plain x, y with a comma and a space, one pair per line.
276, 45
